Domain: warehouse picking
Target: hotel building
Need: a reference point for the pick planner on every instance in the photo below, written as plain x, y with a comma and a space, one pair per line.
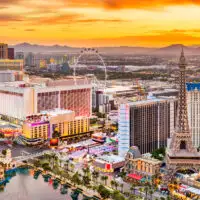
64, 121
193, 102
3, 51
146, 124
21, 99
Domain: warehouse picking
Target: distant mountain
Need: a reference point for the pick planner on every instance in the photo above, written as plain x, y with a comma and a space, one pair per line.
169, 50
35, 48
173, 49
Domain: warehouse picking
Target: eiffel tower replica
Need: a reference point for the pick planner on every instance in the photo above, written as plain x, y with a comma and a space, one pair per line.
181, 154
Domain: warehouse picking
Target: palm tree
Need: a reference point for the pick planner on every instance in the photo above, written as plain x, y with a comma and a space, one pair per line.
76, 179
67, 164
133, 188
141, 190
95, 176
55, 159
116, 185
86, 171
162, 198
104, 178
151, 194
146, 189
72, 167
168, 197
112, 183
122, 186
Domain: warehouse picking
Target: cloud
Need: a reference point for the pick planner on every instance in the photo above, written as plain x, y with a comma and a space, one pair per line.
10, 18
9, 2
101, 20
178, 31
119, 4
71, 18
59, 19
30, 30
157, 40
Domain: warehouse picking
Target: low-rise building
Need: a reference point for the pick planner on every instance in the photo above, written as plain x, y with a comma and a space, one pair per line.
108, 163
141, 165
6, 64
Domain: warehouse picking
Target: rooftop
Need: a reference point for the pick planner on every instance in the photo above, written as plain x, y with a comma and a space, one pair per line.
149, 160
111, 159
56, 112
45, 83
192, 86
145, 102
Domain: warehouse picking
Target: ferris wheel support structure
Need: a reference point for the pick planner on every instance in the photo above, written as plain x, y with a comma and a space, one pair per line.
91, 51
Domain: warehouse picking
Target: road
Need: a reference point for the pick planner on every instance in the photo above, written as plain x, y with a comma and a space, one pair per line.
16, 149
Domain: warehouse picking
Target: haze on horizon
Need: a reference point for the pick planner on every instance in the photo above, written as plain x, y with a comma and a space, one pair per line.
146, 23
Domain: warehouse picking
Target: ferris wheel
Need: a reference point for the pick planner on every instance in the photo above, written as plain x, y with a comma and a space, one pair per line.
90, 51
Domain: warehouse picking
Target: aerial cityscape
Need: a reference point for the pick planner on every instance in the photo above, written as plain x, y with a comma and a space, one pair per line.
99, 100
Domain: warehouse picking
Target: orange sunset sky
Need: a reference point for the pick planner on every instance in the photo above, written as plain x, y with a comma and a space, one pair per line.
101, 22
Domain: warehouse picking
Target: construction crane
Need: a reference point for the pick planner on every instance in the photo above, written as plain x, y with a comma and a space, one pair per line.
141, 91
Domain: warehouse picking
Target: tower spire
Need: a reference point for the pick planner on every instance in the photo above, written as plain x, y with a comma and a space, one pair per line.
182, 123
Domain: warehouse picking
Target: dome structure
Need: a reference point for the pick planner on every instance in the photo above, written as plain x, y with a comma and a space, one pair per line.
133, 153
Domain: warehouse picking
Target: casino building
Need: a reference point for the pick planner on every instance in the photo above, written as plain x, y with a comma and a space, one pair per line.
21, 99
146, 124
63, 121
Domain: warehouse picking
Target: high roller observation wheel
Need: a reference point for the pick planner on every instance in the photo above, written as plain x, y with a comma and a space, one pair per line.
91, 51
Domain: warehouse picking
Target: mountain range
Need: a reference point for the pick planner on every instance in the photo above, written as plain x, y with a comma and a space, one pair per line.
168, 50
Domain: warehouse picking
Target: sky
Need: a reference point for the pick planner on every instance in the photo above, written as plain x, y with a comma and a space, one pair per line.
85, 23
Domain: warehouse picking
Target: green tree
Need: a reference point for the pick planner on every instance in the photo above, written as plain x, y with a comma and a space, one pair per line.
86, 180
4, 152
76, 179
112, 183
122, 187
104, 178
37, 163
158, 154
86, 171
146, 189
67, 165
117, 196
72, 167
46, 167
116, 185
105, 193
141, 190
95, 176
162, 198
56, 134
133, 188
122, 174
151, 194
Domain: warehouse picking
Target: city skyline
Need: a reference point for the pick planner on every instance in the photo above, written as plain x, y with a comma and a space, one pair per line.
100, 23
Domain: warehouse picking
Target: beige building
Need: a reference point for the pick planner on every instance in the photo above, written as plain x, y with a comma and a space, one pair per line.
141, 165
63, 121
144, 166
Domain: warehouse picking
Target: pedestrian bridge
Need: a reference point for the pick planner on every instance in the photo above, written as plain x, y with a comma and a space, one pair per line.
26, 155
